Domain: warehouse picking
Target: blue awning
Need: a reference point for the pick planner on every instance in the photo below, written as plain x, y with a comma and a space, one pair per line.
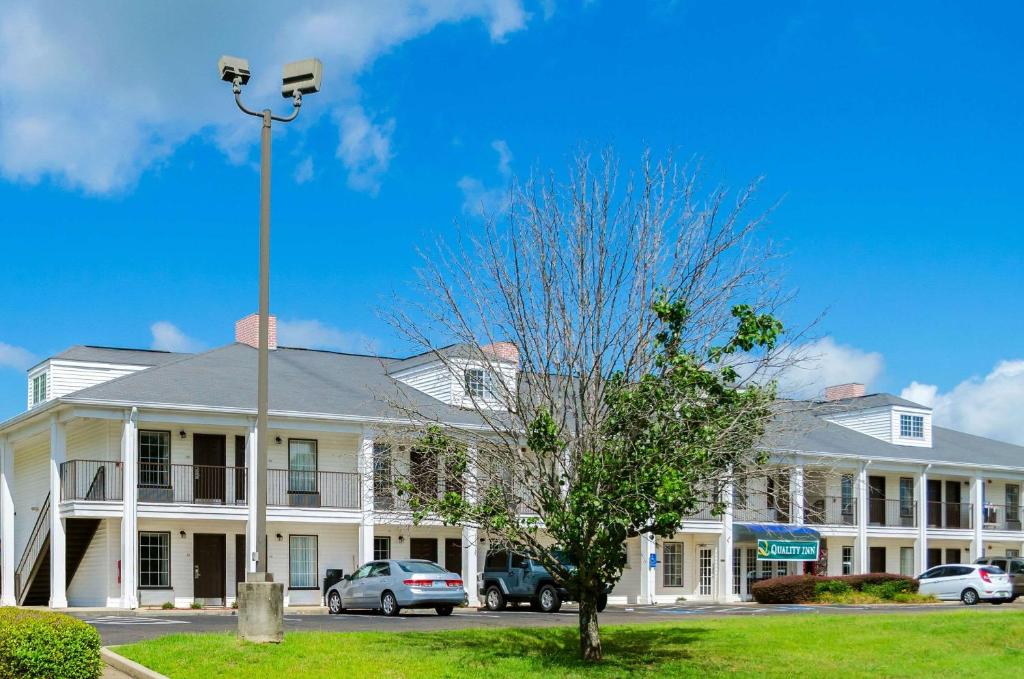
751, 532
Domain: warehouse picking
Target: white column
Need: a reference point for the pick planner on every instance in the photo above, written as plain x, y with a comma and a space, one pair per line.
250, 493
365, 466
130, 515
796, 493
862, 564
922, 521
725, 545
470, 534
648, 573
978, 512
7, 597
58, 547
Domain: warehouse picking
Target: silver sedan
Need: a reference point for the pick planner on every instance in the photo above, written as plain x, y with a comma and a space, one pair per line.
394, 584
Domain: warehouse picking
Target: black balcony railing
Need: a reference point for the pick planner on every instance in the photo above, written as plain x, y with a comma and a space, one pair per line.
1002, 517
830, 511
892, 513
292, 488
191, 484
95, 480
950, 515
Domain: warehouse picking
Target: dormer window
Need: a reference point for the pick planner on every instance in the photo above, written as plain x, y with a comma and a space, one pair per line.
912, 426
39, 384
478, 383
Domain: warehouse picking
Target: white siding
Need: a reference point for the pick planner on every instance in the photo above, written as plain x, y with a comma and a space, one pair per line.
876, 422
95, 582
70, 376
926, 441
94, 440
31, 484
433, 379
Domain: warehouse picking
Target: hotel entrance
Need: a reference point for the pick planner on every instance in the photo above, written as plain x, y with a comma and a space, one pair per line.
765, 551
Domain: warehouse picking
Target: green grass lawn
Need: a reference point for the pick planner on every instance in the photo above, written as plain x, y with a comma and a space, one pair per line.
955, 643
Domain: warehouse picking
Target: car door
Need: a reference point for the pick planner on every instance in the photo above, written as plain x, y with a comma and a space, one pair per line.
379, 580
517, 575
931, 581
956, 580
353, 596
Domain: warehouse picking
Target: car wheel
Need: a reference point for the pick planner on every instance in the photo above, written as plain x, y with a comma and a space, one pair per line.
602, 602
444, 610
494, 599
969, 597
389, 605
547, 599
334, 603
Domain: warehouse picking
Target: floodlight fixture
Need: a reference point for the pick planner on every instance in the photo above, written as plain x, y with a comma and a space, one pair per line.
302, 77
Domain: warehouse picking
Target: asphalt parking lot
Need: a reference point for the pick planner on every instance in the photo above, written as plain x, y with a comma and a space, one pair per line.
121, 628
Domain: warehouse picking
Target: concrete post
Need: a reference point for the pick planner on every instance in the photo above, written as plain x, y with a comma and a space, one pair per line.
978, 516
7, 596
922, 521
725, 548
364, 464
470, 534
130, 515
251, 479
861, 551
648, 575
58, 548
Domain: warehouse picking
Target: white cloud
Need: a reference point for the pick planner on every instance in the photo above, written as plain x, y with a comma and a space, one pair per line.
304, 171
15, 357
480, 199
312, 334
364, 149
823, 363
94, 94
168, 337
986, 406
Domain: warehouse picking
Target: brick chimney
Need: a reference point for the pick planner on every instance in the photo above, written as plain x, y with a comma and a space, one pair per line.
247, 331
841, 391
502, 351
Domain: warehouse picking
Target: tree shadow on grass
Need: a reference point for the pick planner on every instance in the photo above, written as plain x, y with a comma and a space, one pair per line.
626, 649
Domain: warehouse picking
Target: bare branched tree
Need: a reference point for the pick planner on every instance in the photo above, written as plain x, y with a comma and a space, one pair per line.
607, 337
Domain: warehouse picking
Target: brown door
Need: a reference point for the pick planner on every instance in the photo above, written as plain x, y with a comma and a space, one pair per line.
453, 555
934, 557
208, 563
876, 500
423, 548
208, 474
934, 504
877, 557
952, 555
953, 513
239, 470
240, 560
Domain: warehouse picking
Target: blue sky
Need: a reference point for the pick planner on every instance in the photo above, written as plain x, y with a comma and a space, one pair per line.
892, 133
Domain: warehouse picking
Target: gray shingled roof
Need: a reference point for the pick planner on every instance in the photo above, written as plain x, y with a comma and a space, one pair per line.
115, 355
868, 401
301, 380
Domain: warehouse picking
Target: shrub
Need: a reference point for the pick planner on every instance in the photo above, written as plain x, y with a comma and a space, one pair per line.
832, 587
167, 606
196, 606
789, 589
43, 645
859, 581
889, 590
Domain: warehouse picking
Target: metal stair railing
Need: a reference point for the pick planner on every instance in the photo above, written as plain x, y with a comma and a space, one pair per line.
34, 547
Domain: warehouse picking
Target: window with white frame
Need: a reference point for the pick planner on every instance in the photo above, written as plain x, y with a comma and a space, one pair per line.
847, 560
301, 466
39, 387
381, 548
302, 553
912, 426
155, 458
154, 560
846, 489
906, 497
479, 383
907, 561
383, 483
672, 564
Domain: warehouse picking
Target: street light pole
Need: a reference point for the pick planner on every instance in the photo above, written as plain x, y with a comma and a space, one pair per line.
261, 601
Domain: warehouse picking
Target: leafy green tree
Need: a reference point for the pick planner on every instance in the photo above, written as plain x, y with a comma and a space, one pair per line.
642, 322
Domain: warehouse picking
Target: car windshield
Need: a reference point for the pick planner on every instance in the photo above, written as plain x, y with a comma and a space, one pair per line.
420, 567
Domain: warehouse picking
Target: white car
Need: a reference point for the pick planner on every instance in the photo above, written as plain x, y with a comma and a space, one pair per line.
970, 583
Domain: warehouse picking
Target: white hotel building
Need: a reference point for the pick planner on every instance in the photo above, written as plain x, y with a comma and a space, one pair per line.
125, 484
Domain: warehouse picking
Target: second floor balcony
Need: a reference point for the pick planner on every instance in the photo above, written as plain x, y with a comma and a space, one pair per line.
184, 484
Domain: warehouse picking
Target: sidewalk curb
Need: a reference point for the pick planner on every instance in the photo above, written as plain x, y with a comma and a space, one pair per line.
129, 667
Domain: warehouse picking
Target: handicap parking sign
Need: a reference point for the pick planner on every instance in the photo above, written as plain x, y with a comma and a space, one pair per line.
653, 560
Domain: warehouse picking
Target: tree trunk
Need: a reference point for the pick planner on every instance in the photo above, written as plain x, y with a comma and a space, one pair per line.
590, 635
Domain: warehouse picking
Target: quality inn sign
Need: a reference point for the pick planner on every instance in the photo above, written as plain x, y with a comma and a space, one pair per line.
787, 550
